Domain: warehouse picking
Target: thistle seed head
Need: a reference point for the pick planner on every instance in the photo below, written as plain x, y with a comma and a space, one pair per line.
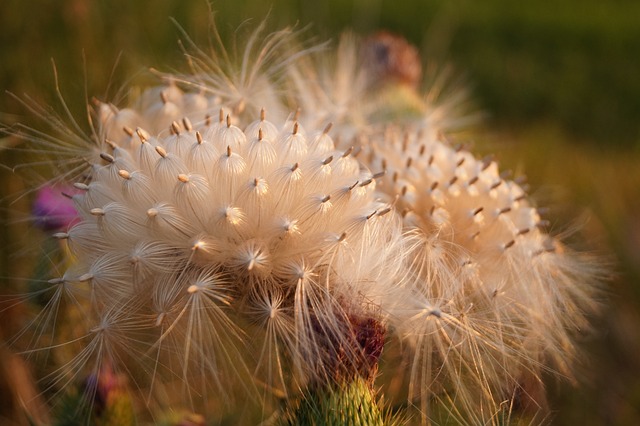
275, 247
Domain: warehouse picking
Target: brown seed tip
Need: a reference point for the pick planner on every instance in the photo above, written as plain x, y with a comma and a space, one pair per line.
161, 151
81, 186
142, 134
187, 124
107, 157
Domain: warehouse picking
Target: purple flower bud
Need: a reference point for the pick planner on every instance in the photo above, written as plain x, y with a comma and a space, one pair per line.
53, 208
103, 386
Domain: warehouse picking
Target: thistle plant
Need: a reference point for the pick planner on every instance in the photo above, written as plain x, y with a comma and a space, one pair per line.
260, 228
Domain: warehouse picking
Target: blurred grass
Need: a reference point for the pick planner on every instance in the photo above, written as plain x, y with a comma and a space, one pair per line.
574, 62
559, 81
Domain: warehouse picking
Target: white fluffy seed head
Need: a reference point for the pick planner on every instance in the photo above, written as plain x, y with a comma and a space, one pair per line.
218, 233
478, 251
238, 249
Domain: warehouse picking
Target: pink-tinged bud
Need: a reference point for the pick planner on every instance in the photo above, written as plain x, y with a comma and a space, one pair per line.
391, 58
111, 402
53, 208
101, 385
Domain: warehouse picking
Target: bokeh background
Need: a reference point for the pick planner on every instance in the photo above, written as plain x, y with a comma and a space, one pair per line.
558, 84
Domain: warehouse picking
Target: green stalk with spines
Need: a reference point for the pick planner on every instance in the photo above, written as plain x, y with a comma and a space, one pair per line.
351, 403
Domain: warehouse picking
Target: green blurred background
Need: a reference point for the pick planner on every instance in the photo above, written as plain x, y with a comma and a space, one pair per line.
559, 83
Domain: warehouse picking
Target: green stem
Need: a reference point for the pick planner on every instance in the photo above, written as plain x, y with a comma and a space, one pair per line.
350, 404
